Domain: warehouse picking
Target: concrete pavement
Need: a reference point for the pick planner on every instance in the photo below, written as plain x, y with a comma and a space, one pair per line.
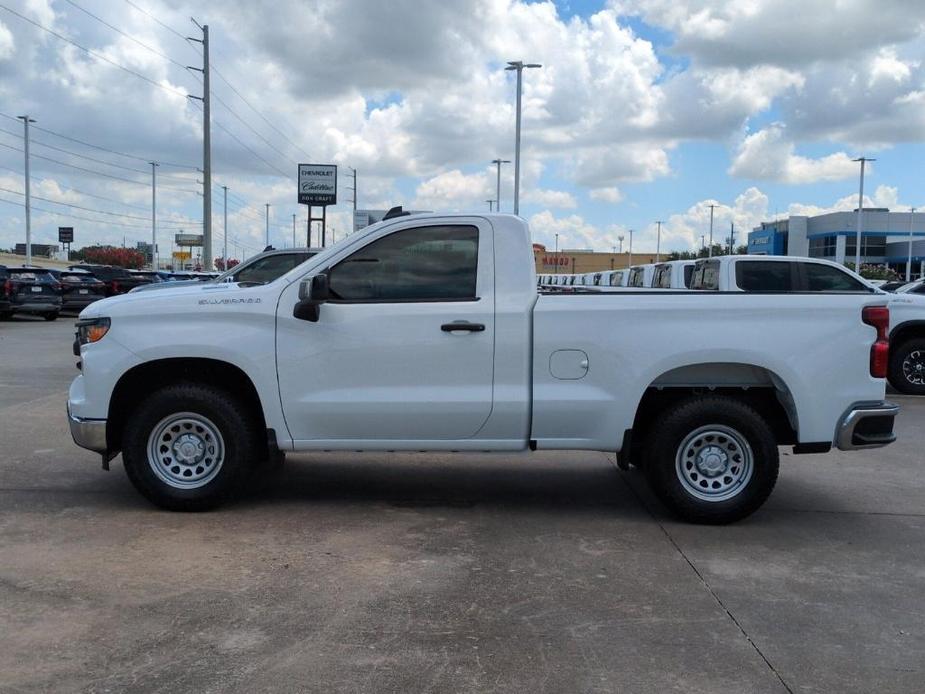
547, 572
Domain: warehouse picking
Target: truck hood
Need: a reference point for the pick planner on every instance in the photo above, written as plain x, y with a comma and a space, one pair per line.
186, 297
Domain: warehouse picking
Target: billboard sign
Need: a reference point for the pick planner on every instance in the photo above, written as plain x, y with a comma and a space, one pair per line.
188, 239
317, 184
65, 234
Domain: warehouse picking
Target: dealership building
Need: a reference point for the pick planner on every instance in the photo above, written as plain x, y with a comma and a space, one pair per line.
884, 237
579, 261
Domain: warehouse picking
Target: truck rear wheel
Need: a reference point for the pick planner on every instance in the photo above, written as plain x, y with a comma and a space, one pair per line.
711, 459
189, 447
907, 367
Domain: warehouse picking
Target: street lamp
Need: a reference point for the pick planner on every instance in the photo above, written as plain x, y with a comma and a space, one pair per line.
620, 239
518, 66
498, 163
658, 242
909, 259
630, 263
857, 249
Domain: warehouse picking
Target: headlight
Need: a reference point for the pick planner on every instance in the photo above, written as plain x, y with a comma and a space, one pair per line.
91, 330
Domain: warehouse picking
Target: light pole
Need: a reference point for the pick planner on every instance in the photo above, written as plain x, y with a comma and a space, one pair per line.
268, 225
556, 254
154, 166
702, 244
630, 262
857, 249
909, 259
498, 163
25, 121
658, 242
293, 231
620, 239
225, 227
518, 66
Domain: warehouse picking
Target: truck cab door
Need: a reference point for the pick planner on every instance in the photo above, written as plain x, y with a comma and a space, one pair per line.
403, 350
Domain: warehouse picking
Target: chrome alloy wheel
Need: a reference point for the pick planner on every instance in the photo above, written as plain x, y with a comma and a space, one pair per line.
914, 367
714, 463
185, 450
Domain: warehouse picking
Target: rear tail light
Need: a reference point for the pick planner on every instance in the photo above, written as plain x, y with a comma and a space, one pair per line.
115, 287
879, 318
8, 287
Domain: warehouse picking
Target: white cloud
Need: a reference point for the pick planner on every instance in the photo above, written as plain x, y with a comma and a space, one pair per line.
7, 45
551, 198
768, 155
610, 194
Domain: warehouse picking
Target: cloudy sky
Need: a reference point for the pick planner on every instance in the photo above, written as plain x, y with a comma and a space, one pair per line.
643, 110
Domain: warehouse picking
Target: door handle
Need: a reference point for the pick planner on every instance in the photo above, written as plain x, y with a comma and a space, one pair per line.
462, 325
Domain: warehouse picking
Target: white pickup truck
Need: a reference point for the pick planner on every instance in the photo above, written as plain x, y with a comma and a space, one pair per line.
427, 332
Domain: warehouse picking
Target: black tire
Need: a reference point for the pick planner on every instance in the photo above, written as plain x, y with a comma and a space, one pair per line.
906, 358
239, 437
50, 316
737, 431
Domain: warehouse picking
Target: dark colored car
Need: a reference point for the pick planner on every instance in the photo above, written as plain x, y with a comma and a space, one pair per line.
5, 304
79, 289
892, 286
32, 290
118, 280
151, 275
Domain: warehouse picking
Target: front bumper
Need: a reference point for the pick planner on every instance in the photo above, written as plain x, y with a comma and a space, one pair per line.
88, 433
866, 425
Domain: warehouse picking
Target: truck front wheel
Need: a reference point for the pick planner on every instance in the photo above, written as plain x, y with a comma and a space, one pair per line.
711, 459
189, 447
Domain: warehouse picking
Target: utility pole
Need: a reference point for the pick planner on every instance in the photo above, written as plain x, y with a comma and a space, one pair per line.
206, 100
268, 225
658, 242
353, 173
225, 227
498, 163
857, 249
703, 245
518, 66
620, 239
909, 259
293, 231
710, 252
732, 236
25, 121
154, 166
630, 263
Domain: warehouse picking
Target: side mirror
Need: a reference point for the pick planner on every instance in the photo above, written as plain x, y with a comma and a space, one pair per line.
312, 293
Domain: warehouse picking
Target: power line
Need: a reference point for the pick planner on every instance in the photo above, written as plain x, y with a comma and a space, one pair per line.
95, 172
81, 192
249, 127
252, 108
104, 149
81, 207
128, 36
148, 14
88, 219
94, 54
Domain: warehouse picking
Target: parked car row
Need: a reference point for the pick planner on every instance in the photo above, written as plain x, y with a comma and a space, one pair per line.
672, 274
47, 292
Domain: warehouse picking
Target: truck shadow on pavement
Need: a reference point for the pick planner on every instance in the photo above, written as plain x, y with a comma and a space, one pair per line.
419, 481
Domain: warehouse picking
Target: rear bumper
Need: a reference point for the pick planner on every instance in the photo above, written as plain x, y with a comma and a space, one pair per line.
88, 433
866, 425
44, 306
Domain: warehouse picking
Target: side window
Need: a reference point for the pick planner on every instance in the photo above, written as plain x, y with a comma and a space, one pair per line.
267, 269
662, 278
421, 264
919, 290
705, 276
616, 279
822, 278
764, 276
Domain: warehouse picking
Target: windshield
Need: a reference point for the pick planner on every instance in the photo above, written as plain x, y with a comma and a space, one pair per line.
266, 269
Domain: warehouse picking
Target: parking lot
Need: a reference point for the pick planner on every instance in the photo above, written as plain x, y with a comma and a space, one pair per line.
545, 572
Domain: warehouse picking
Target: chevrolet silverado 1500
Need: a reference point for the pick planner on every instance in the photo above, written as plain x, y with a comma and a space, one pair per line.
428, 332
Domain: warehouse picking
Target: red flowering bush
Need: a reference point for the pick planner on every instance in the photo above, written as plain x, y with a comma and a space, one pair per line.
113, 255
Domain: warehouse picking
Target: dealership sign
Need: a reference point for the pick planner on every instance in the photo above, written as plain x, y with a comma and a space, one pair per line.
317, 184
188, 239
555, 260
65, 234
